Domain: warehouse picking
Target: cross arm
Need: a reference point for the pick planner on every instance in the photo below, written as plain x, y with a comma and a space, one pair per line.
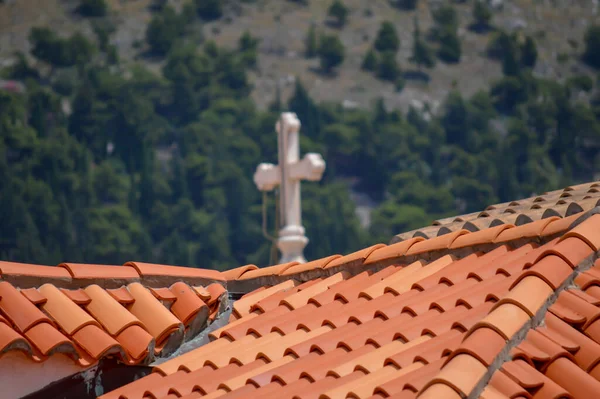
267, 176
311, 167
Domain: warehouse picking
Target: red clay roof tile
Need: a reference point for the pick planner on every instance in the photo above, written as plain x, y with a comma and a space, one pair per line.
234, 274
551, 269
121, 295
95, 341
529, 294
358, 256
354, 328
301, 298
485, 236
461, 373
267, 271
162, 294
22, 313
68, 315
33, 295
437, 243
315, 264
484, 344
506, 319
399, 286
47, 339
78, 296
13, 269
560, 225
375, 290
111, 314
11, 340
86, 340
203, 293
576, 381
391, 251
532, 229
588, 231
573, 250
136, 341
84, 271
188, 304
153, 270
506, 386
344, 344
159, 322
216, 291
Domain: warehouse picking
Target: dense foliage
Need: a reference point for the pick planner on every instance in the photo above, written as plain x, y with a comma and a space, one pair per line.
106, 163
339, 12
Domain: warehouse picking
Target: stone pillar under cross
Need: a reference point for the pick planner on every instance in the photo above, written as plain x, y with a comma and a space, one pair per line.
287, 175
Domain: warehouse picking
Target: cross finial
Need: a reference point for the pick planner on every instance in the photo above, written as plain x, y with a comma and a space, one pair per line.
288, 174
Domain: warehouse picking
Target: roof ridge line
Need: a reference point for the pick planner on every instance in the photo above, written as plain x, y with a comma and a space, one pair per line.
355, 266
561, 202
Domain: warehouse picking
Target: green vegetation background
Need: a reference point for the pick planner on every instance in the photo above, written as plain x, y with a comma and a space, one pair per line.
158, 168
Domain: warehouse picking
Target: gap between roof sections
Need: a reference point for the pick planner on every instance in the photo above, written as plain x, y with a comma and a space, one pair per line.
201, 339
536, 321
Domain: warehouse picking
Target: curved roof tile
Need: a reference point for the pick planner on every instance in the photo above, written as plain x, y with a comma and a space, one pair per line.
430, 322
93, 322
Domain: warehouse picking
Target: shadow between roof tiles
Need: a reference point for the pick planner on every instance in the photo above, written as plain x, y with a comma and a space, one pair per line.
561, 203
505, 355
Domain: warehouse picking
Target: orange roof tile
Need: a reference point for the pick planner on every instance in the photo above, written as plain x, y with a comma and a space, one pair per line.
163, 275
89, 323
562, 203
422, 318
83, 271
479, 305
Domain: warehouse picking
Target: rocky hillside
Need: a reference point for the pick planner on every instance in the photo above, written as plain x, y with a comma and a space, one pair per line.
557, 26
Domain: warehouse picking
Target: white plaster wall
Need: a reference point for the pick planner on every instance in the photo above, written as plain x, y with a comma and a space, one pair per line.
20, 376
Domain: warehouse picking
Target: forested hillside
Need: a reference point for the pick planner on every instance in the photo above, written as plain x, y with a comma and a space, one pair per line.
104, 162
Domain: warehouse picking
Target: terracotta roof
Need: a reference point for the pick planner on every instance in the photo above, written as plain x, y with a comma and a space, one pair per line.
133, 312
561, 203
503, 312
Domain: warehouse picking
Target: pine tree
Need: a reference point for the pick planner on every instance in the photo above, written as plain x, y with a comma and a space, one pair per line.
311, 42
422, 54
179, 183
248, 47
510, 59
388, 68
387, 38
445, 19
209, 9
308, 112
591, 54
331, 52
482, 15
338, 11
276, 106
450, 48
529, 53
370, 61
93, 8
146, 200
406, 4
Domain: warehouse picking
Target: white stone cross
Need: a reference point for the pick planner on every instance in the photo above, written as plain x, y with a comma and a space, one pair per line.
287, 175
